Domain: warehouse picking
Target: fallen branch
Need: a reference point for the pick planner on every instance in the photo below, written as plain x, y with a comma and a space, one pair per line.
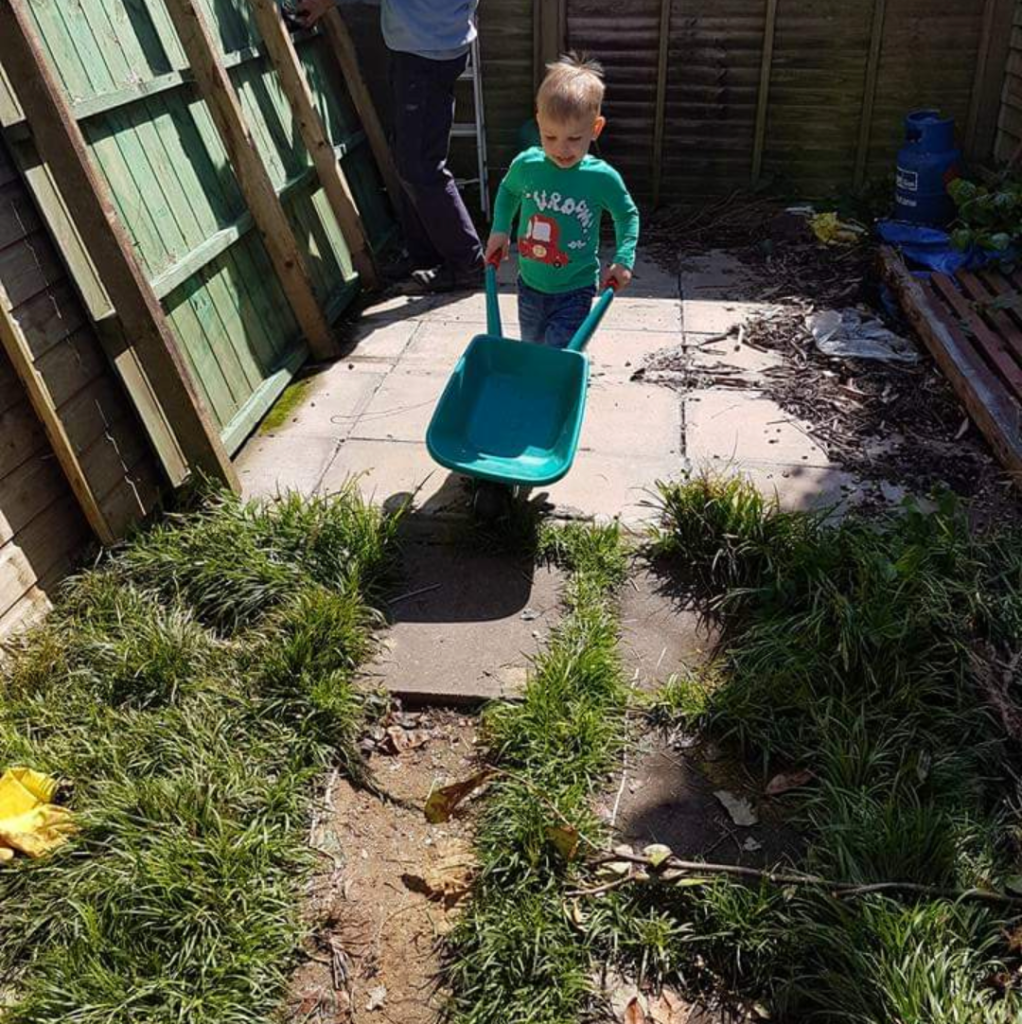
673, 868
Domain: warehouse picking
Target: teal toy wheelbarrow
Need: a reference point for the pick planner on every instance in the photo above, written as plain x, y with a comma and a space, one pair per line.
511, 414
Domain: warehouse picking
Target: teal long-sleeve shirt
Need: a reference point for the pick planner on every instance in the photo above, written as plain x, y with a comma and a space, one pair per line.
559, 219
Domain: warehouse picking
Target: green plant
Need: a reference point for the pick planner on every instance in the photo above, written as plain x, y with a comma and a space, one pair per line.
989, 217
516, 958
851, 650
192, 726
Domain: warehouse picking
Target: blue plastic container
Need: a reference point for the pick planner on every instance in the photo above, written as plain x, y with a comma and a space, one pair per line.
927, 164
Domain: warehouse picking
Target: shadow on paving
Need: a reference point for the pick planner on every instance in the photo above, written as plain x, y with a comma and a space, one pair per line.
465, 623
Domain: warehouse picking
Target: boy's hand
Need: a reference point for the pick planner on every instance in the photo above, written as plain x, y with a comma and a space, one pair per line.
617, 276
499, 243
310, 11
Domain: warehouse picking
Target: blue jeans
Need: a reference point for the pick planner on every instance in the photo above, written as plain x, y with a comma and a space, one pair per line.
552, 319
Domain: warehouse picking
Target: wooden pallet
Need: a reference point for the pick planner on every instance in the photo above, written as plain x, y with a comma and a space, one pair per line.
976, 340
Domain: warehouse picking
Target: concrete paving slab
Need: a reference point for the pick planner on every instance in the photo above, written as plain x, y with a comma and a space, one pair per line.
439, 344
334, 401
745, 427
633, 312
667, 795
718, 275
605, 487
660, 636
469, 627
706, 353
624, 351
270, 465
375, 339
390, 472
716, 316
470, 308
401, 408
796, 486
627, 419
650, 280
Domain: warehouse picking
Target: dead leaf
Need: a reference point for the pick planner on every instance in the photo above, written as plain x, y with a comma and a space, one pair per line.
398, 740
449, 877
377, 997
788, 780
738, 807
668, 1008
442, 802
565, 838
634, 1013
656, 854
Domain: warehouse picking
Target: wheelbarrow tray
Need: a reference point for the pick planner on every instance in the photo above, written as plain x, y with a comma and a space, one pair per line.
511, 412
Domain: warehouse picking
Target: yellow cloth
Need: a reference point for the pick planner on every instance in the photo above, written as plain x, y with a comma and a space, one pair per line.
829, 229
28, 821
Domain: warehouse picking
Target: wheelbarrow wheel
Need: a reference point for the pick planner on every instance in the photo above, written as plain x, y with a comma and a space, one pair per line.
492, 501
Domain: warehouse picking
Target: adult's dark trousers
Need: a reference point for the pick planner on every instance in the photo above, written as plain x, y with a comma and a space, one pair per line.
437, 226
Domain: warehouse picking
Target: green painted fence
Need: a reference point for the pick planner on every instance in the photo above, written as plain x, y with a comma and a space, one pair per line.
155, 144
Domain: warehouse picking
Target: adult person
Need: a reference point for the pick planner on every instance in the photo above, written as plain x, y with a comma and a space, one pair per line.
429, 43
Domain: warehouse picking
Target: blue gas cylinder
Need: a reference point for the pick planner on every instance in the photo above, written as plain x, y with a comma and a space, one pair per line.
927, 164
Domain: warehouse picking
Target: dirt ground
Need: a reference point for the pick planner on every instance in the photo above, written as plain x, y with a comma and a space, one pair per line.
393, 883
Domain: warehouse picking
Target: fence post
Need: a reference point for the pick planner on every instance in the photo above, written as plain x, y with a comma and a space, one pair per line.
763, 97
16, 346
344, 50
217, 89
285, 59
991, 58
61, 146
869, 92
549, 35
661, 97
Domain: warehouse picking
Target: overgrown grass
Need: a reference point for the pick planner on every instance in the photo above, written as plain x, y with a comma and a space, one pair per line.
191, 691
515, 957
879, 655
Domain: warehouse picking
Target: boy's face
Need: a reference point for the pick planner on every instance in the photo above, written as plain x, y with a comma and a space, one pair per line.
566, 142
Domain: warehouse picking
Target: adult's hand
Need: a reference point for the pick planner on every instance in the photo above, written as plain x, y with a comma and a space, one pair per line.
310, 11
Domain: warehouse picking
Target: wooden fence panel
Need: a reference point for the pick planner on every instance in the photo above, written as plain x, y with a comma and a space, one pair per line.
155, 144
41, 526
825, 72
1009, 122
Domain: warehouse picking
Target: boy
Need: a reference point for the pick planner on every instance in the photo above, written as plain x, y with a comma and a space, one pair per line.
561, 193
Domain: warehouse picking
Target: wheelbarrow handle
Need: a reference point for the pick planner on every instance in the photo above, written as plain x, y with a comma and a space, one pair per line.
493, 327
592, 321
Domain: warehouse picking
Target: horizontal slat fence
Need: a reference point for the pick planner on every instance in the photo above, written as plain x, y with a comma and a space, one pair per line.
832, 64
1009, 124
41, 525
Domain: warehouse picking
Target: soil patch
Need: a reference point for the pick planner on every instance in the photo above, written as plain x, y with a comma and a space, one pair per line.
393, 883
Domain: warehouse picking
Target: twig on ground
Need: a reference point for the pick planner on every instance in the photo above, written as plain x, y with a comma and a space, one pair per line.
673, 868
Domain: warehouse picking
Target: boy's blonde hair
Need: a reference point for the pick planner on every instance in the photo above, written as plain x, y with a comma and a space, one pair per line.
573, 88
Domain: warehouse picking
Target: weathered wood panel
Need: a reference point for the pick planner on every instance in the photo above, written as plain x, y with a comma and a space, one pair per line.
42, 528
1009, 121
818, 76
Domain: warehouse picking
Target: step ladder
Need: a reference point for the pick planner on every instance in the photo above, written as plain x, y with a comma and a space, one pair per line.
475, 129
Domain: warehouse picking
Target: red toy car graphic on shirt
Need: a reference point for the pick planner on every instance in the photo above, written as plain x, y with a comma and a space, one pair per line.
540, 242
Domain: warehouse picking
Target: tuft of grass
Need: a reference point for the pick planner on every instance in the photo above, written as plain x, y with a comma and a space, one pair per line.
851, 649
515, 957
191, 725
683, 701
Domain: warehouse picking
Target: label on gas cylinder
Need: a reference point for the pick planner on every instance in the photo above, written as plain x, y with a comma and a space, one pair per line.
908, 180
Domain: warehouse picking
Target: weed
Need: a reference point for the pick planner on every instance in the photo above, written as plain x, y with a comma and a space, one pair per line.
515, 958
850, 649
192, 722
